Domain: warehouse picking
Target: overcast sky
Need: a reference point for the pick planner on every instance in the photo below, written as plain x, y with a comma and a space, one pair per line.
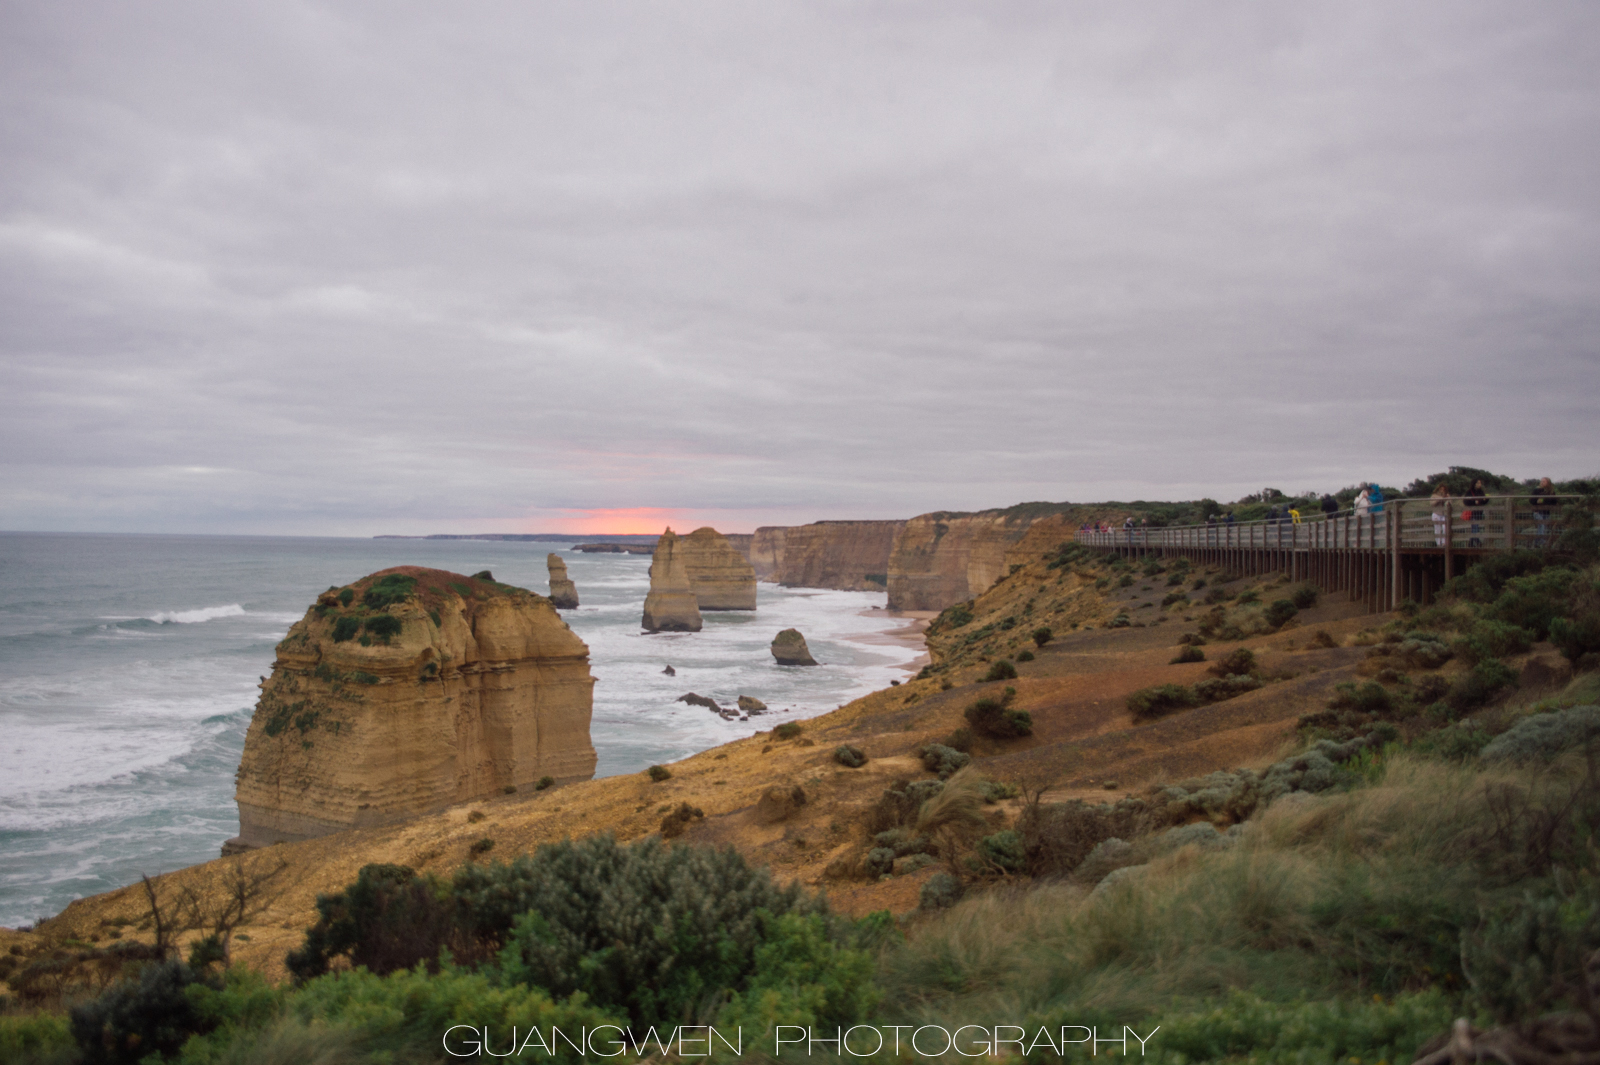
361, 268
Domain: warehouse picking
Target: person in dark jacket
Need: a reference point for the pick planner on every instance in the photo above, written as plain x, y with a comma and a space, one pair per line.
1478, 496
1543, 502
1330, 506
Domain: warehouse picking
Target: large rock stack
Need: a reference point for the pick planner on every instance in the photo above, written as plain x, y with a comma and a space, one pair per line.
721, 578
671, 604
408, 691
563, 593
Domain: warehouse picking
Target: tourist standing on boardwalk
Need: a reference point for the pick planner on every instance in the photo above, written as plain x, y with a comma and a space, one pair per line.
1441, 514
1376, 498
1542, 504
1330, 506
1363, 503
1478, 496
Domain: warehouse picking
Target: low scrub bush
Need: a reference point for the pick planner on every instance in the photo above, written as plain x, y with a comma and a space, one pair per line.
1001, 669
941, 891
1042, 635
1024, 655
1533, 601
994, 718
1004, 851
1369, 697
1423, 650
1476, 688
1192, 639
1147, 704
1238, 662
1174, 599
945, 761
788, 730
544, 782
1216, 689
150, 1015
1320, 638
1057, 837
1280, 613
677, 822
658, 773
383, 626
388, 919
1491, 639
850, 757
1305, 597
1540, 737
1189, 654
345, 629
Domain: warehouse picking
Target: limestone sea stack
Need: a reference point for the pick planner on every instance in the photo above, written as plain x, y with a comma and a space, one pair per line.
789, 648
671, 605
407, 691
721, 577
563, 593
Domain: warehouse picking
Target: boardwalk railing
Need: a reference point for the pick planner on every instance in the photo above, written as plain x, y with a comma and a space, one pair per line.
1405, 549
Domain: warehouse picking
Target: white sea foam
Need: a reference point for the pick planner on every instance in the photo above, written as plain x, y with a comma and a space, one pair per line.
192, 617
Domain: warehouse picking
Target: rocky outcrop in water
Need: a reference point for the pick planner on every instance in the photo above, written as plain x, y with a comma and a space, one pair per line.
408, 691
942, 559
789, 648
671, 605
721, 578
563, 593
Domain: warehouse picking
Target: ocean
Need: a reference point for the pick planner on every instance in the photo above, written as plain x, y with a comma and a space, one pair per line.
129, 668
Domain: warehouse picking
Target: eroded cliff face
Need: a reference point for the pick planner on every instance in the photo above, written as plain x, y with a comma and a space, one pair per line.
408, 691
563, 593
941, 559
720, 577
766, 550
849, 555
671, 605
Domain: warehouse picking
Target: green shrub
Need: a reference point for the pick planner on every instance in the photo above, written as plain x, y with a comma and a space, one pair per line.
1248, 597
945, 761
940, 892
1190, 653
389, 1017
37, 1039
347, 596
383, 626
388, 919
805, 976
1422, 650
345, 629
1533, 601
1305, 597
544, 782
483, 575
650, 929
1370, 697
1540, 737
389, 590
1172, 598
953, 617
1042, 635
1280, 613
131, 1020
1529, 956
1024, 655
1147, 704
1237, 662
1484, 582
1483, 683
850, 757
1003, 850
991, 717
1192, 639
1491, 639
482, 846
1216, 689
788, 730
1125, 581
1001, 669
658, 773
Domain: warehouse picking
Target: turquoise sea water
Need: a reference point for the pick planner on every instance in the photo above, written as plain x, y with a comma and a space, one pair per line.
129, 666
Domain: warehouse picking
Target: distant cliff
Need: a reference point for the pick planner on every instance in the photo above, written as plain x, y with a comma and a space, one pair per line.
944, 558
408, 691
852, 555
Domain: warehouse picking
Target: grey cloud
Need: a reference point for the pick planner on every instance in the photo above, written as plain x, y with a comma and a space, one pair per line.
349, 267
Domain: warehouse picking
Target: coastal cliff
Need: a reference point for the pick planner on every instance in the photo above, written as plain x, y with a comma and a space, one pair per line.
848, 555
408, 691
766, 550
720, 577
670, 606
942, 558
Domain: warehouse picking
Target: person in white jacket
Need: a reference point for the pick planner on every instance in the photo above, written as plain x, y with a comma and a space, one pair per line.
1363, 502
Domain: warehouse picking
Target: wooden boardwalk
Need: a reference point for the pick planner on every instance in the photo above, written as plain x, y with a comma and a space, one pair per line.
1404, 551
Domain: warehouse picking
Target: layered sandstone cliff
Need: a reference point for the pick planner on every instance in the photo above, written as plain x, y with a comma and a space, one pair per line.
849, 555
408, 691
563, 593
720, 577
941, 559
671, 605
766, 550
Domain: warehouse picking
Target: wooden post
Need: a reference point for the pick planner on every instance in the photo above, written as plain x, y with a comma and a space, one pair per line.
1394, 554
1511, 523
1449, 538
